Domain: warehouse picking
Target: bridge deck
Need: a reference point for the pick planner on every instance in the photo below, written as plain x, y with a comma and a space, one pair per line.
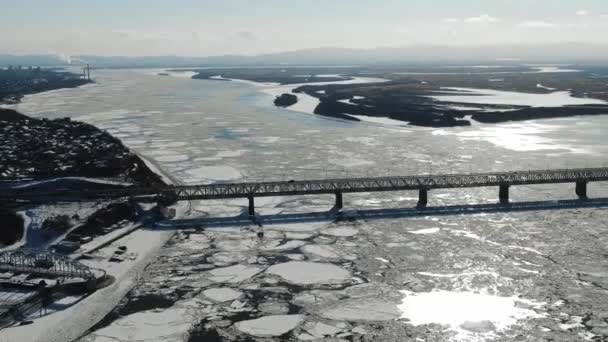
323, 186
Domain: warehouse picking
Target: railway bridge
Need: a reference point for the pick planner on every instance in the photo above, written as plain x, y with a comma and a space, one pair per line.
250, 190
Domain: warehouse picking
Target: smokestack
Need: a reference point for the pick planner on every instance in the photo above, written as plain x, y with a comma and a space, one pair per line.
88, 72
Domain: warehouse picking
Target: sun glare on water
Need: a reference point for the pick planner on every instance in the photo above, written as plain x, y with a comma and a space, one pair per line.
469, 314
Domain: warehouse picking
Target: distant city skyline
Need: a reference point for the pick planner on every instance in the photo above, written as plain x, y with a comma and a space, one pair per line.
246, 27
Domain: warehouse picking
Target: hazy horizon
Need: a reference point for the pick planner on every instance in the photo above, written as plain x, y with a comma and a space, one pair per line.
240, 27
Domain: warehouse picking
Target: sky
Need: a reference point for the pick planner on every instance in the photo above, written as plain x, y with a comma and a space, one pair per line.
249, 27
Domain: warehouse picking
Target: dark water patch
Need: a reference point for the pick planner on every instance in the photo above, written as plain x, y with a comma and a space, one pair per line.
146, 302
261, 295
242, 316
206, 331
200, 334
130, 305
279, 258
294, 309
228, 134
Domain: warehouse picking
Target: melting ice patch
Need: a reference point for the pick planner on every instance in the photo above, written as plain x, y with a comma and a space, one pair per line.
467, 312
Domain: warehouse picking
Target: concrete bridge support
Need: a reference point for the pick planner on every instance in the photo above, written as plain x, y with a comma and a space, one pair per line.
251, 206
339, 200
423, 198
581, 190
503, 194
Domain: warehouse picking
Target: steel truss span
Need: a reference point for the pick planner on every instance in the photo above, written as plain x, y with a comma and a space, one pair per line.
43, 263
322, 186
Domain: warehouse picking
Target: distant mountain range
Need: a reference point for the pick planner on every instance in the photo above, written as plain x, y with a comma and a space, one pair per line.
580, 53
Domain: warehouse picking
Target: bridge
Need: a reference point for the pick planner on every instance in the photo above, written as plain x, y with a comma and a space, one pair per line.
23, 295
41, 263
250, 190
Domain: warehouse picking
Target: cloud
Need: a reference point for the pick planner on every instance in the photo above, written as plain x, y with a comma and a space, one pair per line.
534, 24
245, 35
482, 19
582, 13
452, 20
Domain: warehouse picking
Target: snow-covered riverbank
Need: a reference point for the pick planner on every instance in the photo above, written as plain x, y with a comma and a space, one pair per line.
142, 245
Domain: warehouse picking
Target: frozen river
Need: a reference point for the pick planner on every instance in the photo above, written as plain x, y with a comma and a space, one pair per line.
535, 275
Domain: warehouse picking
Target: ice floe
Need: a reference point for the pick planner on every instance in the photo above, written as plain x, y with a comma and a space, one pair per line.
169, 325
321, 251
320, 329
310, 273
222, 294
341, 231
233, 274
277, 246
270, 326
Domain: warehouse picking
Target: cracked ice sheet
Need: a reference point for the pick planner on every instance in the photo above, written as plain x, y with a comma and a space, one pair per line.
269, 326
169, 325
308, 273
233, 274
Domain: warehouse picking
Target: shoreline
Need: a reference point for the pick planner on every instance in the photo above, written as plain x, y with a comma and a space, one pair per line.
94, 308
20, 97
422, 99
74, 321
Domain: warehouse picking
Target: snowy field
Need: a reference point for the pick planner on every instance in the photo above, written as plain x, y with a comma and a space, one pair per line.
499, 97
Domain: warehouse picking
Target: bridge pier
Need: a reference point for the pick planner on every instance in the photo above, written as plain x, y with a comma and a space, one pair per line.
251, 206
503, 194
581, 190
339, 200
423, 198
